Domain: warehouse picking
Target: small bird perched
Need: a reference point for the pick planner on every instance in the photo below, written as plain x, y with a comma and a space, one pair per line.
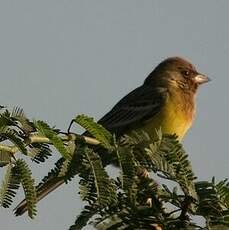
166, 101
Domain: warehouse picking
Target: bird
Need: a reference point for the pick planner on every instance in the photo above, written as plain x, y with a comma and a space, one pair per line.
165, 101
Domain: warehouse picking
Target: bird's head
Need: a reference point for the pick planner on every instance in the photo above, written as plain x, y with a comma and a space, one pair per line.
178, 73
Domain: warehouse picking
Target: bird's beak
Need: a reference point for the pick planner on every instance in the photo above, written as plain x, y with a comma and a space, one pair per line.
200, 79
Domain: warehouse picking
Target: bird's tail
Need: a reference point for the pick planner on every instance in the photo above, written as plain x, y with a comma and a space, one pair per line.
42, 192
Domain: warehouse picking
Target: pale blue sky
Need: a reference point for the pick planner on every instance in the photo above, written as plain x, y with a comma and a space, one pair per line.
61, 58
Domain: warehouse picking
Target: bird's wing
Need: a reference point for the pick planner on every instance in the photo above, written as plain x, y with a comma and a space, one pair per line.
140, 104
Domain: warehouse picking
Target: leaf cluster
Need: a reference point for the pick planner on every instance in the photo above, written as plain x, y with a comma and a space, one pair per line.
155, 187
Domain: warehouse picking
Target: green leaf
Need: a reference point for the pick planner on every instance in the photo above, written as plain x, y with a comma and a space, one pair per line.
10, 184
96, 130
127, 166
52, 174
169, 158
105, 189
84, 217
46, 131
213, 201
222, 189
39, 152
73, 166
18, 115
6, 119
28, 185
12, 136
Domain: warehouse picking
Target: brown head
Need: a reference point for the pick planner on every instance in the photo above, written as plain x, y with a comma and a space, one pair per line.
177, 73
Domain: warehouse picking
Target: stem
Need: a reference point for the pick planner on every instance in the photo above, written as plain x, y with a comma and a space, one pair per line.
10, 149
33, 138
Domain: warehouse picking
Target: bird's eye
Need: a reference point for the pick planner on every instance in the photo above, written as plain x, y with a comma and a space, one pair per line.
186, 73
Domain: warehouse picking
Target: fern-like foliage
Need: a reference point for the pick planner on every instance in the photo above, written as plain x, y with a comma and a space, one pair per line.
213, 202
104, 187
17, 121
132, 212
96, 130
39, 152
127, 166
22, 121
13, 136
96, 187
27, 182
88, 212
6, 119
73, 166
52, 174
46, 131
169, 158
139, 198
222, 189
10, 184
141, 202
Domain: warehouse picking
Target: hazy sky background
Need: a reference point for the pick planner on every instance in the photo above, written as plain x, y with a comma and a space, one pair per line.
66, 57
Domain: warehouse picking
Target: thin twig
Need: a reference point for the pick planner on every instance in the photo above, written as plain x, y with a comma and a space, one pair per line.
34, 138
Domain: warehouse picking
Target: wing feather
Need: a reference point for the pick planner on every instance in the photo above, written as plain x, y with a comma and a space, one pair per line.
140, 104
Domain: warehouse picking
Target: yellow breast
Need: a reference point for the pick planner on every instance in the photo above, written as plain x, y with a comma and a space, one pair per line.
175, 117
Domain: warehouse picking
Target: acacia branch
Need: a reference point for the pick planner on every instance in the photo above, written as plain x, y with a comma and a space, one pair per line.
34, 138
